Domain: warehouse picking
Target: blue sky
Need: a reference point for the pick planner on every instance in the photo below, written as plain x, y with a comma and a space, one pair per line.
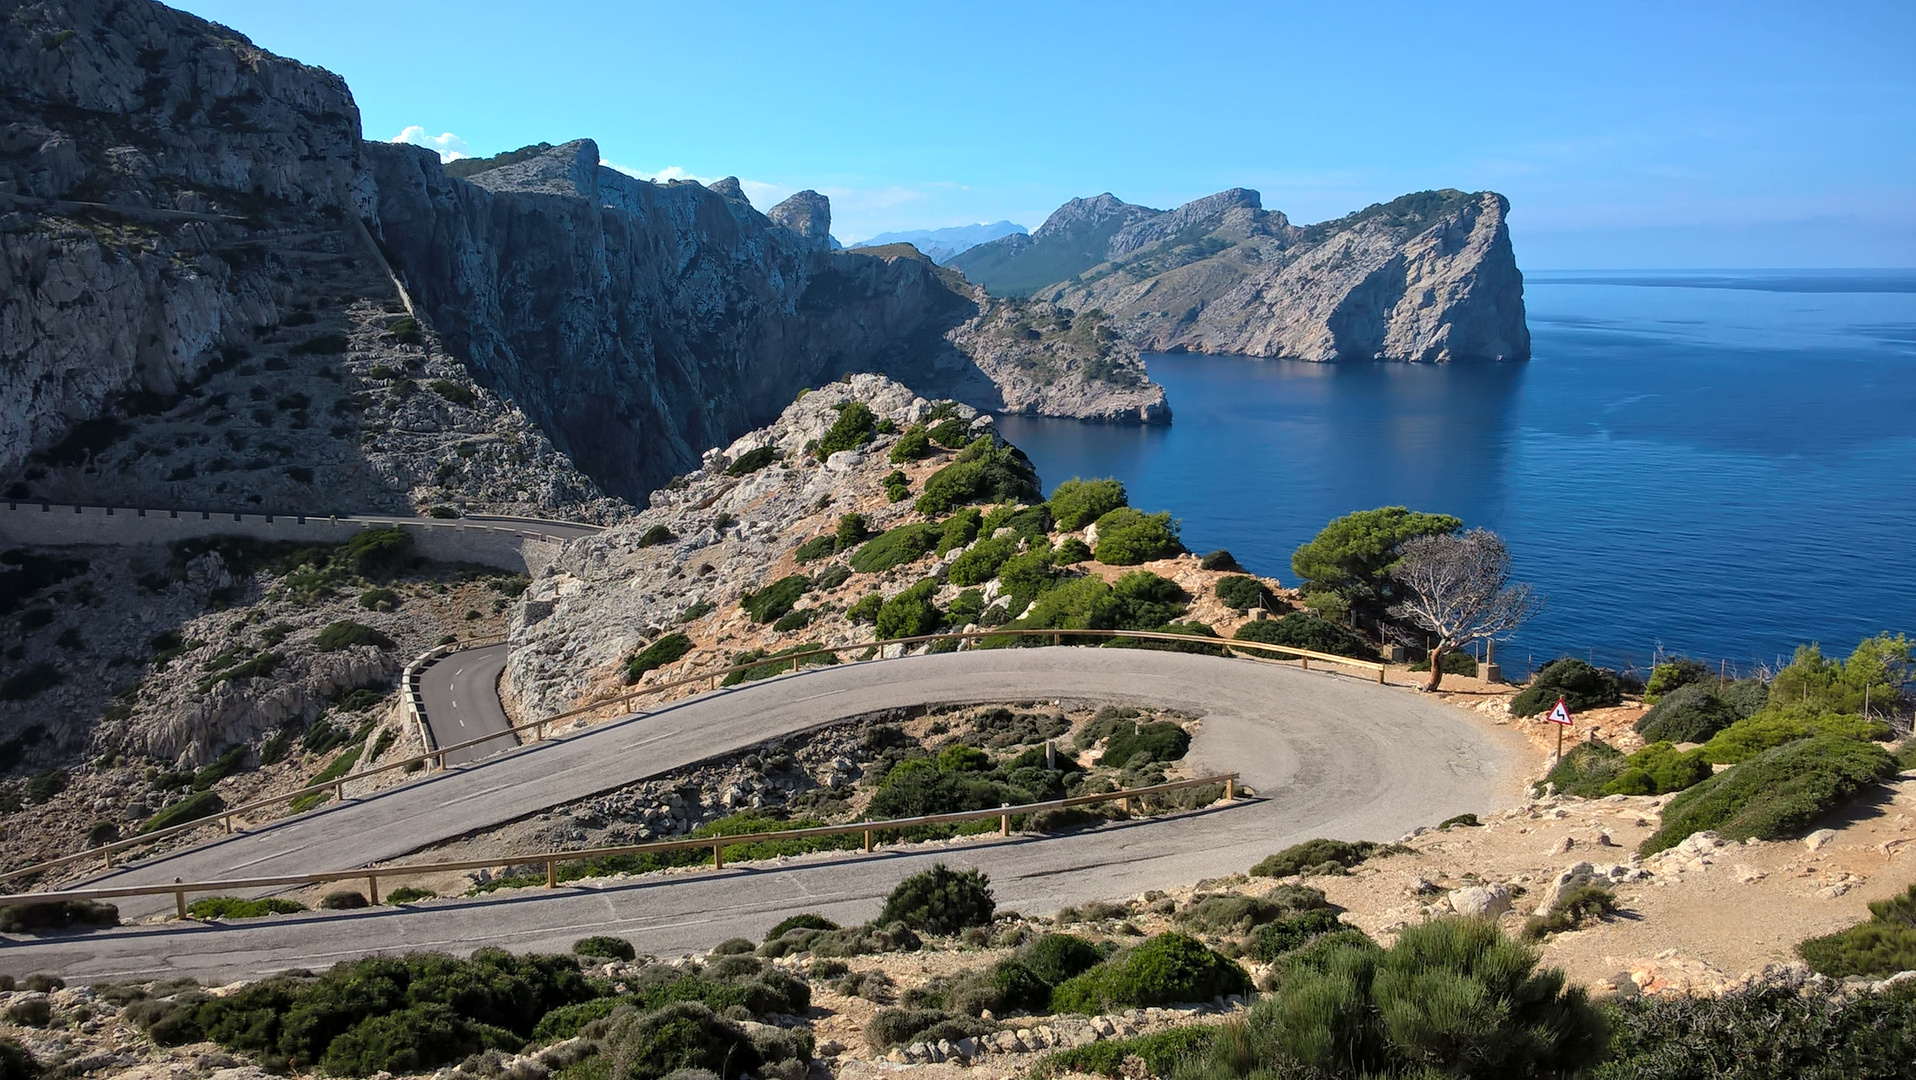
1625, 134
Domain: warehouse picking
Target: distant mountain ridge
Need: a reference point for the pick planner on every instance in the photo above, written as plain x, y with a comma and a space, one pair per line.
940, 245
1429, 276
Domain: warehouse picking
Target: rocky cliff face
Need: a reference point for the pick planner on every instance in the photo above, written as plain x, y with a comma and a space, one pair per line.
191, 314
642, 323
1427, 277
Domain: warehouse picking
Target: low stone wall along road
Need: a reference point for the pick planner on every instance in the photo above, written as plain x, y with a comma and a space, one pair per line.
1327, 756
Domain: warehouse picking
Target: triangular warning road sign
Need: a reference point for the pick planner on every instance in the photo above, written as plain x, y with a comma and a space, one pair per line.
1560, 714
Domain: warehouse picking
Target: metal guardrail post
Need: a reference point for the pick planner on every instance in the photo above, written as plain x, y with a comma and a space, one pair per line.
372, 887
552, 873
718, 856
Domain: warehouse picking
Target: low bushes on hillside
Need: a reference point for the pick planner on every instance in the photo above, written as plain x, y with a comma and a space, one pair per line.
1057, 957
1164, 970
906, 543
911, 612
941, 900
1453, 997
1580, 686
56, 915
1671, 674
1774, 793
1883, 945
981, 561
1304, 631
913, 443
773, 601
1237, 914
752, 461
1240, 592
1691, 712
346, 633
1137, 745
1127, 537
1078, 502
1319, 857
1659, 769
667, 649
1775, 726
984, 472
1778, 1028
234, 907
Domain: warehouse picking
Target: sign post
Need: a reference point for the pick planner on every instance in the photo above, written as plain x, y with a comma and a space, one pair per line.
1560, 716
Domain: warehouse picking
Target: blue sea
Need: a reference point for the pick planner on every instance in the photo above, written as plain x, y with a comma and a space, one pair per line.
1720, 464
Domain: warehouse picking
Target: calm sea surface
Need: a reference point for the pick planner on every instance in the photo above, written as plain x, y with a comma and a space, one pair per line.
1719, 463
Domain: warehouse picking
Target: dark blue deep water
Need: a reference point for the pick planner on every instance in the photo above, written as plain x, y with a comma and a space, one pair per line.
1720, 464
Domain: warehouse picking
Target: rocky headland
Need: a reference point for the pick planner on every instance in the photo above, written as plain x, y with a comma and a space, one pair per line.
1427, 277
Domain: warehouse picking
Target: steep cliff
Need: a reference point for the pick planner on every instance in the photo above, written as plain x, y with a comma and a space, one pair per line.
1426, 277
191, 314
642, 323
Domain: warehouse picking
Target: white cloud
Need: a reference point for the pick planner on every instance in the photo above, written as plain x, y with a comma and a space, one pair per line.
450, 146
661, 176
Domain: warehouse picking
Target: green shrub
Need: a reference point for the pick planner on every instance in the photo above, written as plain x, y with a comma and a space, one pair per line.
56, 915
1352, 556
911, 612
1005, 987
656, 535
1879, 669
941, 900
906, 543
1070, 552
409, 894
816, 548
1078, 502
1160, 741
959, 529
1581, 686
1884, 945
667, 649
865, 609
1127, 537
1166, 969
774, 600
951, 434
1775, 1028
411, 1013
855, 426
1300, 630
913, 443
1057, 957
345, 634
981, 561
1689, 712
896, 1027
1659, 769
233, 907
1587, 769
344, 900
983, 473
752, 461
604, 947
682, 1035
30, 681
322, 345
1774, 793
198, 805
41, 787
1241, 593
1274, 940
1456, 662
1775, 726
1237, 914
1452, 998
377, 554
1221, 560
1315, 856
1671, 674
16, 1063
851, 529
1574, 907
1161, 1052
456, 393
1028, 573
801, 921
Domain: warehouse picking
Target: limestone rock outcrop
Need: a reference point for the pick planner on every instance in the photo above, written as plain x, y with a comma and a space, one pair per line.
1426, 277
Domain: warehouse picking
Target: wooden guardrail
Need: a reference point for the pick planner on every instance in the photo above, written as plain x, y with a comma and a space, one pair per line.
626, 699
181, 890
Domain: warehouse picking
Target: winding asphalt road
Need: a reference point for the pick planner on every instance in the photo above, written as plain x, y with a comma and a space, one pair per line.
1328, 756
462, 703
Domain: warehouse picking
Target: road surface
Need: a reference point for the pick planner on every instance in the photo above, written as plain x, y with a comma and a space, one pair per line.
1328, 756
462, 703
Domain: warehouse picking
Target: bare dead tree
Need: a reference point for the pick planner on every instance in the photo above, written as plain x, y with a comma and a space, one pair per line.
1459, 590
